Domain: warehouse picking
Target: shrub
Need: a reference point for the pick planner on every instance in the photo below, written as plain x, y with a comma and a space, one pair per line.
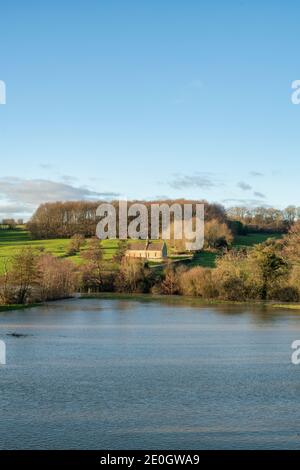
76, 243
217, 235
233, 288
286, 294
23, 275
58, 278
268, 267
170, 282
132, 276
198, 282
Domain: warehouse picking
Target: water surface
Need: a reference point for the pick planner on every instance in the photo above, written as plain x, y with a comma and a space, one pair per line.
122, 374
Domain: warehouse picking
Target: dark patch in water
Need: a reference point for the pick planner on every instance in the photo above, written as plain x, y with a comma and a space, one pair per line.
17, 335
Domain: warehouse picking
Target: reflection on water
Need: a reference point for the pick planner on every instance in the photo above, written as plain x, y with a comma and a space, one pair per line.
125, 374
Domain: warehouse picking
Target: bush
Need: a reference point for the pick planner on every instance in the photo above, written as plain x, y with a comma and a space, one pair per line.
34, 277
58, 278
286, 294
133, 276
231, 276
217, 235
23, 276
76, 243
198, 282
233, 288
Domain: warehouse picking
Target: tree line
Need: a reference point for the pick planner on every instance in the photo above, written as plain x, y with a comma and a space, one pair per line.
34, 276
65, 219
267, 271
264, 219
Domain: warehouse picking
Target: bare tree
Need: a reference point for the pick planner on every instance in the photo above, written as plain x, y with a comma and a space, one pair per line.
24, 273
76, 243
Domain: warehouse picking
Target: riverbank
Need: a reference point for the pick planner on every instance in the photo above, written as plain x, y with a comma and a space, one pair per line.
181, 299
6, 308
288, 306
168, 299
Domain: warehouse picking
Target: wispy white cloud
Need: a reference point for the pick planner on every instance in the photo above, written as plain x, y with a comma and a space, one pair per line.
7, 210
244, 186
68, 179
46, 166
258, 194
199, 180
24, 195
245, 202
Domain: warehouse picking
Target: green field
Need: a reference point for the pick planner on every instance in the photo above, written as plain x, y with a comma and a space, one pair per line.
13, 240
254, 239
207, 259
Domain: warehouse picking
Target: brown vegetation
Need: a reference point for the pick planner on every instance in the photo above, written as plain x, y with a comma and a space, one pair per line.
267, 271
77, 241
65, 219
33, 276
217, 235
264, 219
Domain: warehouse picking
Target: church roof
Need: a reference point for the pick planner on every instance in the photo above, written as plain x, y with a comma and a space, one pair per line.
146, 246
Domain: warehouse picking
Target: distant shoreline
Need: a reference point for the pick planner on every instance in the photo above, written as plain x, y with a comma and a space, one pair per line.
175, 299
181, 299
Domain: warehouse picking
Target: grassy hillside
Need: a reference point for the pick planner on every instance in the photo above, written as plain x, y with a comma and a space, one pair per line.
207, 259
254, 239
13, 240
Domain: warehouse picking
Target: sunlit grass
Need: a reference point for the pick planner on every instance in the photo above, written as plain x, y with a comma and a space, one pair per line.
254, 239
11, 241
288, 306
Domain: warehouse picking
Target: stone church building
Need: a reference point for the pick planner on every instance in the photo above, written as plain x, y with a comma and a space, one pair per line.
150, 250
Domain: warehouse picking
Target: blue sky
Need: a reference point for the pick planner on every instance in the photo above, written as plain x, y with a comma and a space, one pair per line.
147, 99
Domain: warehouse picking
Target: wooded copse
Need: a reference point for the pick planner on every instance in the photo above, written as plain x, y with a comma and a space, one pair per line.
33, 276
264, 219
66, 219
